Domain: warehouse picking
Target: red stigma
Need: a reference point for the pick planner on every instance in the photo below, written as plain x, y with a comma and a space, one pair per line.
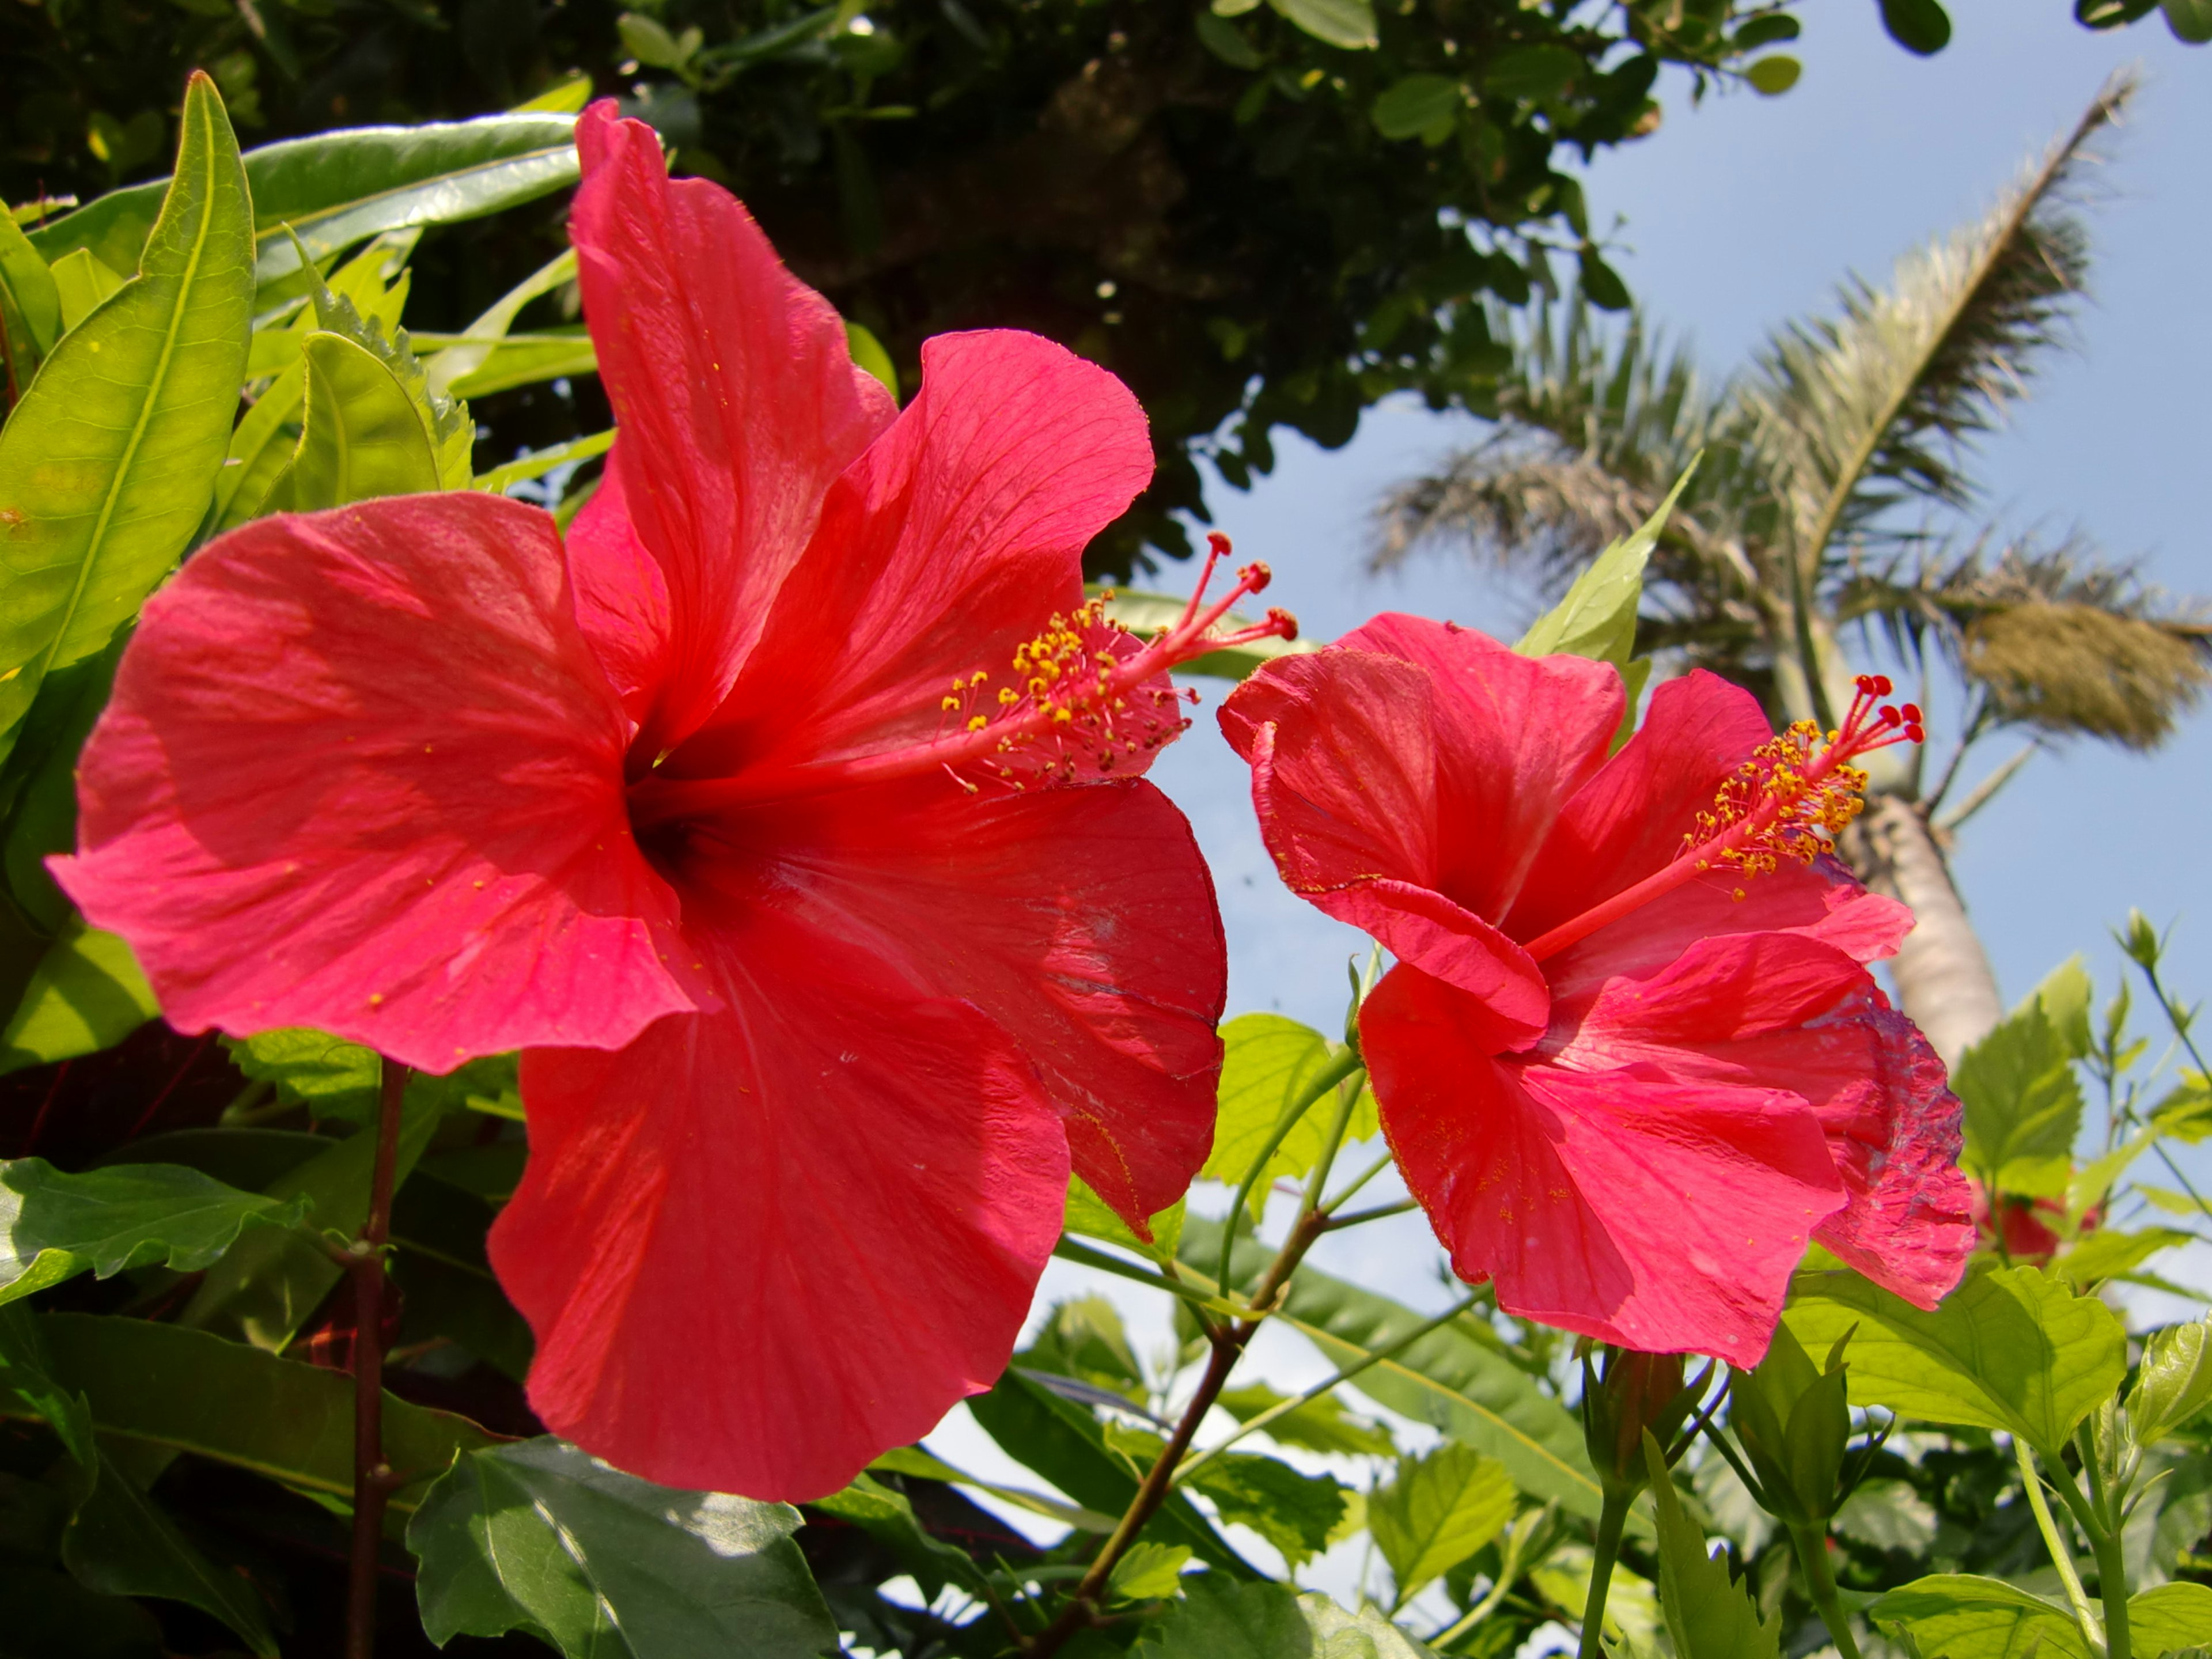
1217, 544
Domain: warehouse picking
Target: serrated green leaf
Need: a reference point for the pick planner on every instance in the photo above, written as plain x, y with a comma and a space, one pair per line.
1268, 1064
237, 1404
2011, 1348
1152, 613
361, 437
1319, 1424
1442, 1508
1294, 1511
1346, 23
2022, 1099
1965, 1616
86, 995
1597, 617
1223, 1619
107, 463
1089, 1216
339, 188
2173, 1383
54, 1226
1149, 1572
1708, 1614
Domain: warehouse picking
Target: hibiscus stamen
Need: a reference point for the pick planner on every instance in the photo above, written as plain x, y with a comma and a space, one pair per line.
1085, 694
1791, 800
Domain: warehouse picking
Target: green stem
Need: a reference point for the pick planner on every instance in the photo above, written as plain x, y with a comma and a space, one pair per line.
2061, 1557
1069, 1250
1811, 1544
2105, 1546
1509, 1571
1359, 1181
1283, 1409
373, 1478
1611, 1520
1339, 1067
1378, 1213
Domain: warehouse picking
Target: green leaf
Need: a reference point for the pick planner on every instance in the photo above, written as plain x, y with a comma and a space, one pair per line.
2176, 1615
1888, 1515
1965, 1616
477, 341
1268, 1063
1149, 1572
2010, 1349
2190, 21
541, 1537
1412, 105
1534, 71
1227, 41
363, 437
1065, 1444
121, 1543
530, 359
446, 1286
1083, 1337
1449, 1379
1918, 25
1153, 613
86, 995
107, 465
1218, 1618
1772, 76
2173, 1383
82, 285
1346, 23
1632, 1602
339, 188
1320, 1424
542, 461
54, 1226
1597, 617
887, 1516
28, 1387
1708, 1614
1294, 1511
26, 293
43, 819
1088, 1215
267, 1285
2108, 1252
1440, 1509
290, 1422
2023, 1102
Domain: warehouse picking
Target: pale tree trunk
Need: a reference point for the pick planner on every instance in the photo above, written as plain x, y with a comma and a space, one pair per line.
1943, 974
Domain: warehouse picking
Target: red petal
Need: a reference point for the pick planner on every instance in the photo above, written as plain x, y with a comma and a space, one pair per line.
1081, 920
1345, 782
1622, 1204
946, 546
622, 600
735, 391
1628, 820
361, 772
1515, 736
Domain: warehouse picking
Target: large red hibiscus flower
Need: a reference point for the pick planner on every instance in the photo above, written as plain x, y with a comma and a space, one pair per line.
1631, 1059
785, 818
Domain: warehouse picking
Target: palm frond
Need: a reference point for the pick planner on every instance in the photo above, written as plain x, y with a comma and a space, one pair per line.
1857, 412
2059, 638
1593, 427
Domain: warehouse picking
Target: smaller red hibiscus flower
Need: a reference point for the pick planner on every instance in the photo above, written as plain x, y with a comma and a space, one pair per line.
788, 815
2018, 1229
1631, 1059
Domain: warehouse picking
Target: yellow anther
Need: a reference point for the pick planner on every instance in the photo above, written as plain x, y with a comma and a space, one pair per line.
949, 702
978, 678
978, 723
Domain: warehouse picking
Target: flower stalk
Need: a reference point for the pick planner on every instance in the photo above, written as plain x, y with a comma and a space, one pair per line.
372, 1475
1811, 1543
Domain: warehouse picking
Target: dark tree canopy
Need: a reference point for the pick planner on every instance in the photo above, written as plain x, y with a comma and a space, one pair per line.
1258, 216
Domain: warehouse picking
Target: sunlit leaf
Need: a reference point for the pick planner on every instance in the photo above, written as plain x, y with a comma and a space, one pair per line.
1965, 1616
1597, 616
107, 465
54, 1225
1346, 23
2011, 1349
86, 995
1319, 1424
1709, 1614
1268, 1063
1440, 1509
1295, 1511
2023, 1102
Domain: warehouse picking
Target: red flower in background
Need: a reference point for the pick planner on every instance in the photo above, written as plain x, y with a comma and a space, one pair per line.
824, 974
1631, 1058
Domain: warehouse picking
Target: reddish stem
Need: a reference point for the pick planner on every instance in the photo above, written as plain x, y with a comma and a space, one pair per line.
372, 1475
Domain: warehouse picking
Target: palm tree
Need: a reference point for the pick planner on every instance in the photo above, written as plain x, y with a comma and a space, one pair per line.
1833, 504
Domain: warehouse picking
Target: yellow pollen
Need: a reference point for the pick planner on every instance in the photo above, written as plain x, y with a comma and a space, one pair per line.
978, 723
950, 703
1808, 808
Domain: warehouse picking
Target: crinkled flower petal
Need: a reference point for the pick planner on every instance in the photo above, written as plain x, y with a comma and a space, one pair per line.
733, 389
361, 772
1627, 1205
759, 1246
